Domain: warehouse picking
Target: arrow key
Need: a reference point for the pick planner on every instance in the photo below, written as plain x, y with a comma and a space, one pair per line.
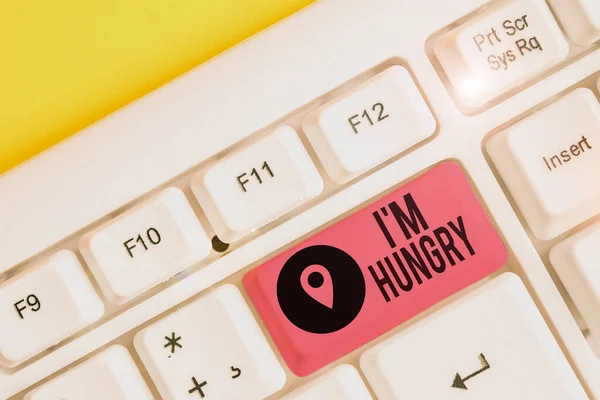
492, 344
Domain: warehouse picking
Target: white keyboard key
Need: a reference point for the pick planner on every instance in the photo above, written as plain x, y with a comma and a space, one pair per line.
145, 246
492, 344
383, 117
211, 348
44, 305
257, 185
576, 262
579, 18
550, 162
343, 383
508, 43
111, 374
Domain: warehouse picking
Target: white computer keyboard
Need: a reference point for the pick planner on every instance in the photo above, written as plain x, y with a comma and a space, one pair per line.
377, 199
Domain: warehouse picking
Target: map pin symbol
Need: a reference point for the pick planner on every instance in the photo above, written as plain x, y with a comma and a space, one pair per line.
316, 282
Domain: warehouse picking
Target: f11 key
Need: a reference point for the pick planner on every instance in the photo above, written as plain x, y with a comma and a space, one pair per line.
370, 272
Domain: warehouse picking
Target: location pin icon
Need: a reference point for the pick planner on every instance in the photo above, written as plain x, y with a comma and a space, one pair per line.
316, 282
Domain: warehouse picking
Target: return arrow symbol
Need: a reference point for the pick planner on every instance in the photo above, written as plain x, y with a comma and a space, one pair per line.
459, 383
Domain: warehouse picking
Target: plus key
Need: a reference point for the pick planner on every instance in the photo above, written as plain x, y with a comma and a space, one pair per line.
230, 352
198, 387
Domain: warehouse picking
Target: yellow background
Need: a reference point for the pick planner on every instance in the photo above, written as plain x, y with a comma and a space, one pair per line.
67, 63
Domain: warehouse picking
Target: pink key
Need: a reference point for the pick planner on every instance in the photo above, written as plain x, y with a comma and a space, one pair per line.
368, 273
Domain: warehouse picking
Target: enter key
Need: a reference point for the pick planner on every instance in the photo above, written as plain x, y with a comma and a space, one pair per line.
491, 344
